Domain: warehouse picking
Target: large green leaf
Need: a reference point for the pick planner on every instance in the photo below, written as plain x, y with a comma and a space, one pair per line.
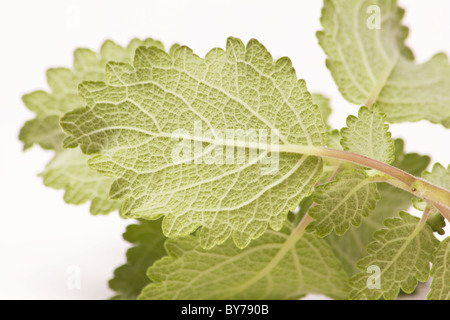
269, 268
370, 63
68, 169
368, 135
133, 118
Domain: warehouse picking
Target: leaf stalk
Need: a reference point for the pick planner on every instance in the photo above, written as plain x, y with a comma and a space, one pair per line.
435, 195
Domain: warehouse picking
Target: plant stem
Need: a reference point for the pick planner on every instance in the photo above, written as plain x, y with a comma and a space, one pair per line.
437, 196
425, 215
442, 209
300, 228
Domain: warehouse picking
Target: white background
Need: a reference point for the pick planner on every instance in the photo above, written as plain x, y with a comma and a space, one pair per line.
40, 235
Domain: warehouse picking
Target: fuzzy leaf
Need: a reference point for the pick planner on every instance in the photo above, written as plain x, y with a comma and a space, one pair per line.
130, 120
402, 252
364, 42
368, 135
438, 176
266, 269
342, 202
68, 169
435, 220
334, 140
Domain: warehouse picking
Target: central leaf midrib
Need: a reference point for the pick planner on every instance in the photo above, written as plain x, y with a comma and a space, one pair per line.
237, 257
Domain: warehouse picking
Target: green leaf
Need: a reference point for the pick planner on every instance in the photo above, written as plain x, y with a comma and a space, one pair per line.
436, 222
130, 278
131, 120
351, 247
402, 252
371, 64
344, 201
334, 140
368, 135
68, 169
440, 286
44, 131
269, 268
63, 82
324, 105
438, 176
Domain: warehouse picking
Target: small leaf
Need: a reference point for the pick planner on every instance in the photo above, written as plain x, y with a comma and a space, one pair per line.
438, 176
324, 105
368, 135
440, 286
269, 268
402, 253
344, 201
